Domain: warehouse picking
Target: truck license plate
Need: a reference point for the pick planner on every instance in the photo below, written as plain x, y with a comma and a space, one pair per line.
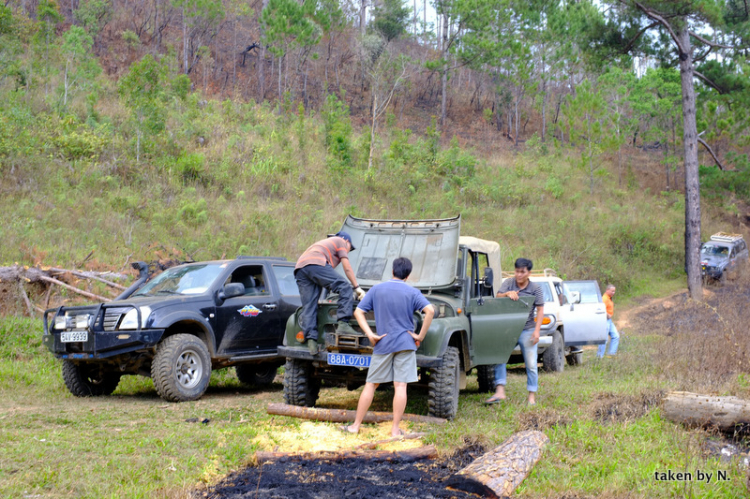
74, 336
348, 359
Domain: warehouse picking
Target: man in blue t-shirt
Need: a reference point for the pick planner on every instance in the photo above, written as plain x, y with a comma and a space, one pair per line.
394, 355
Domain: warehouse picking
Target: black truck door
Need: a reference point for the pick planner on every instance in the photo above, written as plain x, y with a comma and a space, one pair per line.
250, 322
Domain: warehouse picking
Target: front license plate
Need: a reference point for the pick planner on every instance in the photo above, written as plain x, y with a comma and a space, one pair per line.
348, 359
74, 336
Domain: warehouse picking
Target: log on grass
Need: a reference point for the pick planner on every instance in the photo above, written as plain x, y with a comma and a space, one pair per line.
498, 472
426, 452
693, 409
342, 415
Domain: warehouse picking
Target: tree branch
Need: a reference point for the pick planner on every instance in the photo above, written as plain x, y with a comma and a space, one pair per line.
708, 82
711, 152
704, 55
656, 17
638, 35
708, 42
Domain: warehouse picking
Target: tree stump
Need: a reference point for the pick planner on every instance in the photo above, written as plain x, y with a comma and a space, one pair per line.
498, 472
693, 409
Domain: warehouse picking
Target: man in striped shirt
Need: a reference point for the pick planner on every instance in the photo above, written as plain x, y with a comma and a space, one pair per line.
313, 272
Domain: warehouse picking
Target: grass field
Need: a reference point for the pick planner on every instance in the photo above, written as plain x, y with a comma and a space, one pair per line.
607, 434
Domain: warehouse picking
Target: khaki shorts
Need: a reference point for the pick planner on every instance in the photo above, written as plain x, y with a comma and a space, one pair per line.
399, 366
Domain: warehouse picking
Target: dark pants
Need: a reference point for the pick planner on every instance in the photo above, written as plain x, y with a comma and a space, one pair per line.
311, 280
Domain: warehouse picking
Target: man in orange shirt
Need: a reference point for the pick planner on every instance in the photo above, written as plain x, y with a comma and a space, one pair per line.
313, 272
609, 293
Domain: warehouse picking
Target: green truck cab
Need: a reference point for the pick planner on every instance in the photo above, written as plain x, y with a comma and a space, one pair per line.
458, 275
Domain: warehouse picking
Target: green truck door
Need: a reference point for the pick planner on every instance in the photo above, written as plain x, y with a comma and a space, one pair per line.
496, 325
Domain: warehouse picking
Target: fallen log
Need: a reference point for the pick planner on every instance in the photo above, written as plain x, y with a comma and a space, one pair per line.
427, 452
26, 298
693, 409
342, 415
73, 288
408, 436
498, 472
92, 275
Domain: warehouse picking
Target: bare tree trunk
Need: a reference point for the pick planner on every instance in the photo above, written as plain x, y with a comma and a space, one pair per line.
184, 40
362, 17
372, 129
262, 60
444, 76
692, 181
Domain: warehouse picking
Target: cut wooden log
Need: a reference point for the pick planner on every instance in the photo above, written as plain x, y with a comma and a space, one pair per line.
693, 409
408, 436
427, 452
342, 415
498, 472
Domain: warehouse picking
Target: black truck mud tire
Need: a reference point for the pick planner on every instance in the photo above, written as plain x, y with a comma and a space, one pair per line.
300, 388
256, 375
553, 359
88, 380
486, 378
181, 368
444, 386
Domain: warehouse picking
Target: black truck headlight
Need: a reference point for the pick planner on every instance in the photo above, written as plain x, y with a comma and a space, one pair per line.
130, 321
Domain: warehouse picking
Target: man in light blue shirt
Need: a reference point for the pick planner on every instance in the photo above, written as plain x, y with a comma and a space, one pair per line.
394, 355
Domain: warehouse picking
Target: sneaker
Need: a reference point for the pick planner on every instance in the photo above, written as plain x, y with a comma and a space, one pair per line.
312, 346
345, 327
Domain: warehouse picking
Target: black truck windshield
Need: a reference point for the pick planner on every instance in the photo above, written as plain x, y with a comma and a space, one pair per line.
187, 280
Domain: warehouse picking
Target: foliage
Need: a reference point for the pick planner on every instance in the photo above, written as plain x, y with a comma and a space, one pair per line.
338, 131
390, 18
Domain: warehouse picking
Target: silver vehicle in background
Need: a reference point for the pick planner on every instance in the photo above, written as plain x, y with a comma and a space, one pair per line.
722, 254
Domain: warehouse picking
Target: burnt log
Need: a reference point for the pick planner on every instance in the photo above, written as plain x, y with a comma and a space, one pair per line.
427, 452
498, 472
725, 413
342, 415
408, 436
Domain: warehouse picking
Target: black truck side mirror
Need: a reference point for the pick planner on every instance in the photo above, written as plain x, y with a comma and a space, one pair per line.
231, 290
488, 278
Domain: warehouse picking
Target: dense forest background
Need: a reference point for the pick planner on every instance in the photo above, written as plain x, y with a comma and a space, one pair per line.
197, 129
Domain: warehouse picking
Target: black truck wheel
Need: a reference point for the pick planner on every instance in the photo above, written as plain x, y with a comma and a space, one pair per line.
443, 386
181, 368
89, 380
486, 378
256, 375
300, 388
553, 359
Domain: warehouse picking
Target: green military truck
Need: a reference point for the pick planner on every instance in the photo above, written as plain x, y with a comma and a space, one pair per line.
471, 328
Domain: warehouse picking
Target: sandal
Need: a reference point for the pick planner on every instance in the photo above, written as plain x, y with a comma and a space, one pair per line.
345, 429
493, 400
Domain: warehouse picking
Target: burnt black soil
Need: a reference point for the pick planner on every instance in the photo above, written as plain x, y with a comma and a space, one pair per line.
295, 478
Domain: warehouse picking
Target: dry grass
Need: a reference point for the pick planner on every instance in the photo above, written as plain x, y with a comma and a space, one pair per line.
706, 346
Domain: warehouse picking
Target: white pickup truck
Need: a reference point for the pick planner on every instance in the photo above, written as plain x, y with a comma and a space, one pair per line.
574, 315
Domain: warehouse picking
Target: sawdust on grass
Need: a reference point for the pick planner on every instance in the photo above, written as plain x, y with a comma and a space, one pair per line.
311, 436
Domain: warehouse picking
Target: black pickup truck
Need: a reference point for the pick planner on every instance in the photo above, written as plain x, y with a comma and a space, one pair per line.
177, 327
